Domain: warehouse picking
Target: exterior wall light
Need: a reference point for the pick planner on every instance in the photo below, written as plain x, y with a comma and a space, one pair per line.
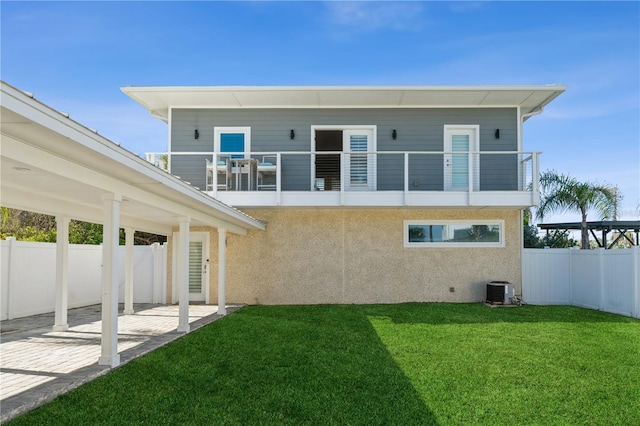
196, 134
394, 134
497, 134
292, 134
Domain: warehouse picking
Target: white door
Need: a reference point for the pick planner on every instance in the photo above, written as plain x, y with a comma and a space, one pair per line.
198, 267
360, 169
460, 167
197, 271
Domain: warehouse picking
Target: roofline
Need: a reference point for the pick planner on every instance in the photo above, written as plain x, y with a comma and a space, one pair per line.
165, 99
598, 225
128, 89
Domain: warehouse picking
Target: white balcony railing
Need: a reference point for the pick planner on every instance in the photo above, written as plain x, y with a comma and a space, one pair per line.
158, 159
404, 173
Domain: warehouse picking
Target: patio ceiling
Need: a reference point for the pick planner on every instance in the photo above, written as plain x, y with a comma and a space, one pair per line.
51, 164
159, 99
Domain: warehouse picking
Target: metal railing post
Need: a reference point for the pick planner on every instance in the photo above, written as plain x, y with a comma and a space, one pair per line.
535, 178
278, 176
214, 171
343, 176
470, 180
406, 178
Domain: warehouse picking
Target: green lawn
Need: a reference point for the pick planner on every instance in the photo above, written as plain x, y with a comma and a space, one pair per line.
410, 364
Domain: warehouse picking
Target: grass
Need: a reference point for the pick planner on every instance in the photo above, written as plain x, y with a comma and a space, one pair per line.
410, 364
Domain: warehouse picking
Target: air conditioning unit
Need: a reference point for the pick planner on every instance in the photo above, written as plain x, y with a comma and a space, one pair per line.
500, 293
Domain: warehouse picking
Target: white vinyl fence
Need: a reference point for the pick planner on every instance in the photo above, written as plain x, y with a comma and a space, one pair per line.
606, 280
28, 275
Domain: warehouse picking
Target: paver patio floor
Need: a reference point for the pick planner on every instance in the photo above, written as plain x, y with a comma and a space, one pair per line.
38, 364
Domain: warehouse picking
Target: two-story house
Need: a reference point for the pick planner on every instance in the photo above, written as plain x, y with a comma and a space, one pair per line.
370, 194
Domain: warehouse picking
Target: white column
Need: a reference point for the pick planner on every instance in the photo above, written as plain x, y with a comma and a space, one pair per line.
62, 273
128, 279
183, 275
110, 241
222, 271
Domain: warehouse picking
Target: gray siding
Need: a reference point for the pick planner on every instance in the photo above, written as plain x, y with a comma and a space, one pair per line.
417, 129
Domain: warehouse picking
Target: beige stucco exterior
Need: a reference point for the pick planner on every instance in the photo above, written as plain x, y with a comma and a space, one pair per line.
317, 256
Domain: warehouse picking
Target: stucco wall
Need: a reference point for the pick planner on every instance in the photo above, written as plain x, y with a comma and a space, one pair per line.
357, 256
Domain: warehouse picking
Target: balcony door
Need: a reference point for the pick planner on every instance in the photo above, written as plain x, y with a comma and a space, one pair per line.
359, 168
460, 167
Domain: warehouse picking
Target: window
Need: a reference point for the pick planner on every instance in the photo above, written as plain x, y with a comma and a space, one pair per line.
454, 233
232, 139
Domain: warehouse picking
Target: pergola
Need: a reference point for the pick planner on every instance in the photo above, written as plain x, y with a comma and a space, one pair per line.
53, 165
604, 227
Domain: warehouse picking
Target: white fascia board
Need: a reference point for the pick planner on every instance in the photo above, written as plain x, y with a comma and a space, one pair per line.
352, 106
185, 96
138, 92
166, 89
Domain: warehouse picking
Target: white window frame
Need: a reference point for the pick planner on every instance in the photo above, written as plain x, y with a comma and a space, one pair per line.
217, 131
499, 244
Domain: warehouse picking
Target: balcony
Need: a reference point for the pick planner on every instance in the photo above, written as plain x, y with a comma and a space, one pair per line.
361, 179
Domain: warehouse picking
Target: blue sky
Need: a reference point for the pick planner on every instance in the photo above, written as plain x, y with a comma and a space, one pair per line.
74, 56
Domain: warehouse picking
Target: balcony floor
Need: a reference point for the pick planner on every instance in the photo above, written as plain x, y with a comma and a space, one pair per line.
371, 199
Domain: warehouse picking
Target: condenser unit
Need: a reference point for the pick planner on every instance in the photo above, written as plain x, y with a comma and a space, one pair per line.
500, 293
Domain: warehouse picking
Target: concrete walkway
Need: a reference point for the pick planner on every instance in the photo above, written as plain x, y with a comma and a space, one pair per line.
37, 364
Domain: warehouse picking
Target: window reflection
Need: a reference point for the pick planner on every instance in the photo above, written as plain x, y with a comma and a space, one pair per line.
454, 233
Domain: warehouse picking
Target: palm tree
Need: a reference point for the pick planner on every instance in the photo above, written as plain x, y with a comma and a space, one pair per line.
562, 193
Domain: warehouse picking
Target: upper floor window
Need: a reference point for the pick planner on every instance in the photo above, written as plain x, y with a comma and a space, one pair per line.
236, 140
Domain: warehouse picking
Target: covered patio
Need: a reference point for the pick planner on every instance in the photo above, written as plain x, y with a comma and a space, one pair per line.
39, 364
53, 165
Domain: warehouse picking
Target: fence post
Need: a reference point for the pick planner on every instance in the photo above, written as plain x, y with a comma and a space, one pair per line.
10, 273
602, 278
571, 250
635, 252
155, 274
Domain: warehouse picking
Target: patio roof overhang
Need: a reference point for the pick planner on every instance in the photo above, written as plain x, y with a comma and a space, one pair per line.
53, 165
604, 227
158, 100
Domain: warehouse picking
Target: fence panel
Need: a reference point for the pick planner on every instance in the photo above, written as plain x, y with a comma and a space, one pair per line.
607, 280
28, 275
618, 281
585, 278
545, 278
31, 265
85, 275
